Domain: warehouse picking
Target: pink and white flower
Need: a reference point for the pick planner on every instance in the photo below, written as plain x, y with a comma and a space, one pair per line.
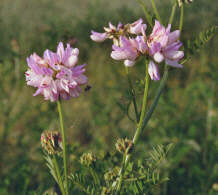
56, 74
164, 46
131, 41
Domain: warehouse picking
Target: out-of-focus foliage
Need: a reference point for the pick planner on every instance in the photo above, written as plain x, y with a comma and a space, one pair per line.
186, 114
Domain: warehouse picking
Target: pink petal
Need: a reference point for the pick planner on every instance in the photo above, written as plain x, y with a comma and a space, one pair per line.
153, 71
98, 37
129, 63
173, 36
173, 63
158, 57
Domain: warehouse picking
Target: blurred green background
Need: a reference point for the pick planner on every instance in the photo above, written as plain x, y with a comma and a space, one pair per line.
186, 114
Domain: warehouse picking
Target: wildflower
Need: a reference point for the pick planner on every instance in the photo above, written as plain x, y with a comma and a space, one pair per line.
163, 45
51, 141
56, 74
131, 42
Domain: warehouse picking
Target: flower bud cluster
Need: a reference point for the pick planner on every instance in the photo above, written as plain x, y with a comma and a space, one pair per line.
112, 174
88, 159
56, 74
51, 141
131, 42
124, 145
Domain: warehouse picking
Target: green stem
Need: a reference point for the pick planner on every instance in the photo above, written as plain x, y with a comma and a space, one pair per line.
181, 18
173, 13
151, 110
147, 15
95, 176
64, 144
139, 128
60, 182
156, 98
144, 104
121, 175
155, 10
132, 91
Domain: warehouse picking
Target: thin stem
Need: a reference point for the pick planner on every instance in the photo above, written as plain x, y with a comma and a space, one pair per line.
173, 13
151, 110
156, 98
181, 18
95, 176
121, 175
144, 104
60, 182
155, 10
132, 91
147, 15
139, 128
64, 144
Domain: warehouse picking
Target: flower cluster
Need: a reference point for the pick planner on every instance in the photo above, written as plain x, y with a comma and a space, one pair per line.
51, 141
131, 42
56, 74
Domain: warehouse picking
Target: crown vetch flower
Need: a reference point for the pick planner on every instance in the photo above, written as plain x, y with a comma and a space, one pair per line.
56, 74
131, 41
164, 45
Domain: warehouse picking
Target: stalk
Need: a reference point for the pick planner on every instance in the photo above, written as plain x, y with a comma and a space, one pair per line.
181, 18
138, 130
172, 13
147, 15
60, 182
150, 112
155, 11
132, 91
156, 98
64, 144
121, 175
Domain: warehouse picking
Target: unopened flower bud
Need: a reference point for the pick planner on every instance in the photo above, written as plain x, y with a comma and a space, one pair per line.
124, 145
51, 141
105, 191
87, 159
112, 174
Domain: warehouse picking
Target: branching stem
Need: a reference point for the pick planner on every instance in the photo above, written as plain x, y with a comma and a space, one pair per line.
64, 144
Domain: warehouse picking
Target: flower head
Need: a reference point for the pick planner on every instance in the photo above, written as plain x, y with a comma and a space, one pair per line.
164, 45
131, 42
56, 74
